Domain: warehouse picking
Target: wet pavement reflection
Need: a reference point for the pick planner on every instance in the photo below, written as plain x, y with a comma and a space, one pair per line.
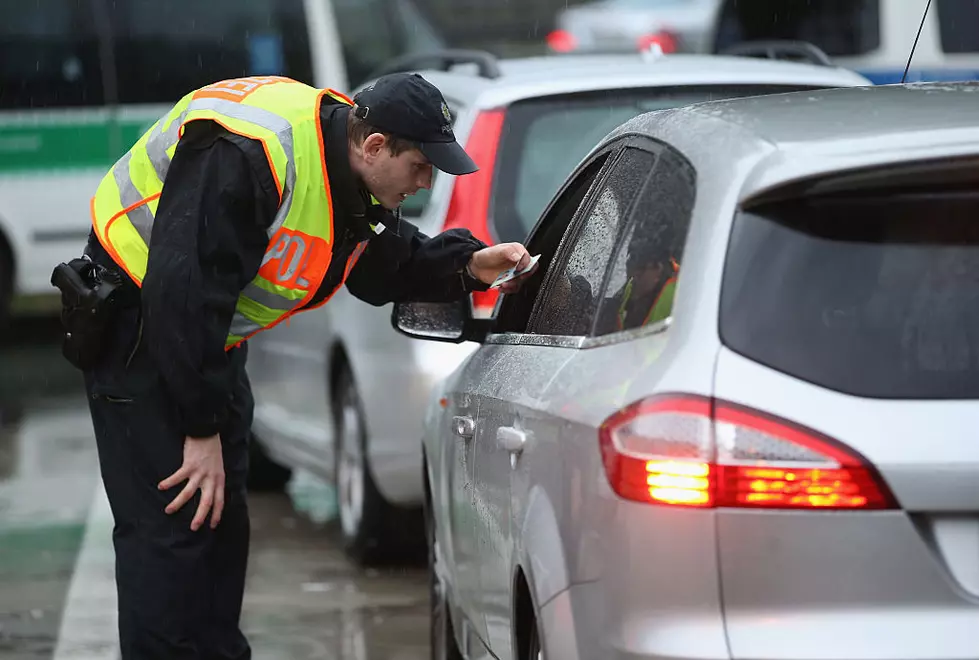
303, 598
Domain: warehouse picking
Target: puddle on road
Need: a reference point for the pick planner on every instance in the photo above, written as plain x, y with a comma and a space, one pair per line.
48, 470
304, 599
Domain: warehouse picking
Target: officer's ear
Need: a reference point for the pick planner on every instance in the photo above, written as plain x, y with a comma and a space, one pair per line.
374, 145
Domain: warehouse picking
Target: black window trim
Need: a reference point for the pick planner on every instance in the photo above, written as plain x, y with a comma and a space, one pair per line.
614, 148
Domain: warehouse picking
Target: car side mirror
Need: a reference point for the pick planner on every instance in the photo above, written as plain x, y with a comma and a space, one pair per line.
450, 322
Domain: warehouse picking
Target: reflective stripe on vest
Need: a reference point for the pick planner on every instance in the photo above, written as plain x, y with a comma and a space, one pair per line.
284, 116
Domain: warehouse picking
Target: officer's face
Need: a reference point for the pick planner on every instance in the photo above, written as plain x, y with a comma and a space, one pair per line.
391, 178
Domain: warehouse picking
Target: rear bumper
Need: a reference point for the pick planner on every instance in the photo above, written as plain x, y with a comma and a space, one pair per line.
792, 586
841, 585
577, 624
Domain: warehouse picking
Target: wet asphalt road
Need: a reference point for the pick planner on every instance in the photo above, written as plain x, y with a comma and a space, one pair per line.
303, 598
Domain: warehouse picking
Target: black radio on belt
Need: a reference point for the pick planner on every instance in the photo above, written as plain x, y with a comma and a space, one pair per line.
89, 297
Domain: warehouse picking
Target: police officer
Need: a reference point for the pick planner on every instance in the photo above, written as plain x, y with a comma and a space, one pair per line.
251, 200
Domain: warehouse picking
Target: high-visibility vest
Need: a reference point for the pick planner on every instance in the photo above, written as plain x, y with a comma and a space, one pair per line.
661, 308
284, 115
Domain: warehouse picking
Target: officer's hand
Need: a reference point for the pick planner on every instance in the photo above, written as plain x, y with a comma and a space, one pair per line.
488, 263
203, 468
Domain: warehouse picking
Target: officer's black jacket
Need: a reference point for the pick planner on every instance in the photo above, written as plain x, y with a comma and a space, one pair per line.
209, 237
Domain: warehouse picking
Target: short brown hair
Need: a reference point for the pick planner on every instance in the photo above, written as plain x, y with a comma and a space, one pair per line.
358, 130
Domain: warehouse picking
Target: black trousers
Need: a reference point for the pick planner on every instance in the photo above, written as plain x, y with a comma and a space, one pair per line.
179, 591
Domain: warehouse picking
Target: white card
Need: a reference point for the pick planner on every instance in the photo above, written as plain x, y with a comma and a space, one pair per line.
509, 274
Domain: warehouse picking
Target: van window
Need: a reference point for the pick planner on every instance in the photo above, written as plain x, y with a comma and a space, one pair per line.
373, 32
165, 49
871, 294
958, 22
838, 27
49, 55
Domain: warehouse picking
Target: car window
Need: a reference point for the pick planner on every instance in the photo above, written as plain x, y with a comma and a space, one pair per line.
838, 27
165, 49
544, 139
572, 295
373, 32
872, 294
515, 308
958, 21
640, 287
49, 55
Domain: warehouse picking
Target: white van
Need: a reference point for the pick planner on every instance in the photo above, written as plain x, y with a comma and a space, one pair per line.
81, 80
871, 37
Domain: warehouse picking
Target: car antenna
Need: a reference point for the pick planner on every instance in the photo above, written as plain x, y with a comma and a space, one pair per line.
923, 17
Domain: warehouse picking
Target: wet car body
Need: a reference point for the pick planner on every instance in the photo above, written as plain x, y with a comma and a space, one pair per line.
782, 465
337, 392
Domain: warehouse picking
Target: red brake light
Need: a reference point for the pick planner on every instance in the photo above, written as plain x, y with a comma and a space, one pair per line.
561, 41
665, 40
691, 451
470, 202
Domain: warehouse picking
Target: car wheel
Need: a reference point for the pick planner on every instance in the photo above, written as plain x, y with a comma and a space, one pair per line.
534, 650
442, 640
367, 520
6, 284
264, 474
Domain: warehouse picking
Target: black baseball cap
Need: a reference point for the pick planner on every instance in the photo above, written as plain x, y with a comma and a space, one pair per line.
412, 108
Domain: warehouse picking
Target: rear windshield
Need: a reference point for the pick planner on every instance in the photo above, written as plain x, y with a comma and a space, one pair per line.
544, 139
838, 27
958, 23
876, 296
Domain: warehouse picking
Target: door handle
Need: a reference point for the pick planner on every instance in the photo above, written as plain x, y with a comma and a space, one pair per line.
463, 426
511, 439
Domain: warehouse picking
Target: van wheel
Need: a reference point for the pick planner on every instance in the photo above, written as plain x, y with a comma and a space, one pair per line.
264, 474
6, 284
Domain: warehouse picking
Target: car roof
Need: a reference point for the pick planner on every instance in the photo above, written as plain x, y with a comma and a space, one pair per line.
801, 135
533, 77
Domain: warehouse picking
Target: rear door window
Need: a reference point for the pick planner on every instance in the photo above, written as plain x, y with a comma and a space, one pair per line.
573, 293
49, 55
958, 23
872, 295
640, 288
544, 140
838, 27
165, 49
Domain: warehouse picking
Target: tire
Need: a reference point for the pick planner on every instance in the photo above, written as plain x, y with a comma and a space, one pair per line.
264, 474
6, 285
373, 531
442, 640
534, 650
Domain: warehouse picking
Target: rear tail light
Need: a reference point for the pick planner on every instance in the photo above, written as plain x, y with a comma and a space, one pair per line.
666, 41
470, 203
691, 451
561, 41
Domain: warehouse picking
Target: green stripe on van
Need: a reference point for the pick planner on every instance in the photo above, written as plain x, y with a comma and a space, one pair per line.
41, 148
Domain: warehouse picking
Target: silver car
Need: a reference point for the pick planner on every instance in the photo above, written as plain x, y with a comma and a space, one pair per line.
682, 26
337, 392
774, 462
